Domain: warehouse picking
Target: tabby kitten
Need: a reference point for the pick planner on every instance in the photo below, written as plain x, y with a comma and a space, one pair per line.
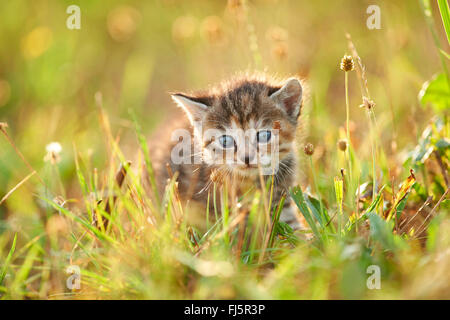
240, 130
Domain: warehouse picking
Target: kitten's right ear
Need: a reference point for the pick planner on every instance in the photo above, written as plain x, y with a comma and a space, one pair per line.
195, 108
289, 97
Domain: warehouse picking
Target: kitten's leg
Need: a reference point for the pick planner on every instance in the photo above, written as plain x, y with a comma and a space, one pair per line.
290, 215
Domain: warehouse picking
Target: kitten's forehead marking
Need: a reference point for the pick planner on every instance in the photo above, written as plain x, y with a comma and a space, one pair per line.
251, 124
234, 124
247, 102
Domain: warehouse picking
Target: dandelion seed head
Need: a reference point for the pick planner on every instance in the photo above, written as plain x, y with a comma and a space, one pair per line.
53, 152
54, 147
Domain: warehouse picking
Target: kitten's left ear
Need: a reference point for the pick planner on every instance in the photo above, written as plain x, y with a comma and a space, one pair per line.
195, 108
289, 97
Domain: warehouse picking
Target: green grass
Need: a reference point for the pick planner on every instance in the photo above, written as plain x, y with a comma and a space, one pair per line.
132, 243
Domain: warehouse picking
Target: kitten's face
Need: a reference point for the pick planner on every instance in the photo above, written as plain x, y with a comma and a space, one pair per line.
247, 129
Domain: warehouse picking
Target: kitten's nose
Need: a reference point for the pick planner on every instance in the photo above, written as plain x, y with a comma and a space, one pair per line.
248, 159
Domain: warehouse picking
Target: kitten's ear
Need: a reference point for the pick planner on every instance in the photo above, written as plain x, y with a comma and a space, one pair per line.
195, 108
289, 97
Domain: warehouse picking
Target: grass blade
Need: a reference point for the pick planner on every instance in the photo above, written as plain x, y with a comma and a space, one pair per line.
401, 194
339, 191
149, 166
445, 15
8, 260
299, 199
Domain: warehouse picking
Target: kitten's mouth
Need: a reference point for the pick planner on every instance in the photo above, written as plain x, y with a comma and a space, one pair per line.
247, 170
247, 166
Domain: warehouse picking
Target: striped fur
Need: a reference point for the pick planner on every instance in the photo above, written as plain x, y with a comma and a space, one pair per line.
244, 103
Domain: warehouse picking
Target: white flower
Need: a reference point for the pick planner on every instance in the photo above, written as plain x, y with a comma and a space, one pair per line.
53, 151
54, 147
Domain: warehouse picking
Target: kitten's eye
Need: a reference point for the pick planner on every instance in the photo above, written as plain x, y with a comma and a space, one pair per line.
226, 141
263, 136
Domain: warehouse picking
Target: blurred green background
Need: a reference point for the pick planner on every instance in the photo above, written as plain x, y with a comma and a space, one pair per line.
135, 52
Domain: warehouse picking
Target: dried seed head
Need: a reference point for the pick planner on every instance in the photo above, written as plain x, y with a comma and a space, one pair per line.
342, 145
347, 63
309, 149
60, 201
367, 103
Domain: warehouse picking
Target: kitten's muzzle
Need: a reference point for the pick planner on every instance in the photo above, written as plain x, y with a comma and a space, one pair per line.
248, 160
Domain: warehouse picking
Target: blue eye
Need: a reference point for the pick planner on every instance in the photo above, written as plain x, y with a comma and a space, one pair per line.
226, 141
263, 136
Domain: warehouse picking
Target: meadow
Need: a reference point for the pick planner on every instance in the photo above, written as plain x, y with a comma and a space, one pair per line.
77, 107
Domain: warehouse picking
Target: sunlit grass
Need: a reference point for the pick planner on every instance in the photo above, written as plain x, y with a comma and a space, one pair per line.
380, 201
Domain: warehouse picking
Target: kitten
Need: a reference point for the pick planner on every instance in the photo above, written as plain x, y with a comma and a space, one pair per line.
238, 130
